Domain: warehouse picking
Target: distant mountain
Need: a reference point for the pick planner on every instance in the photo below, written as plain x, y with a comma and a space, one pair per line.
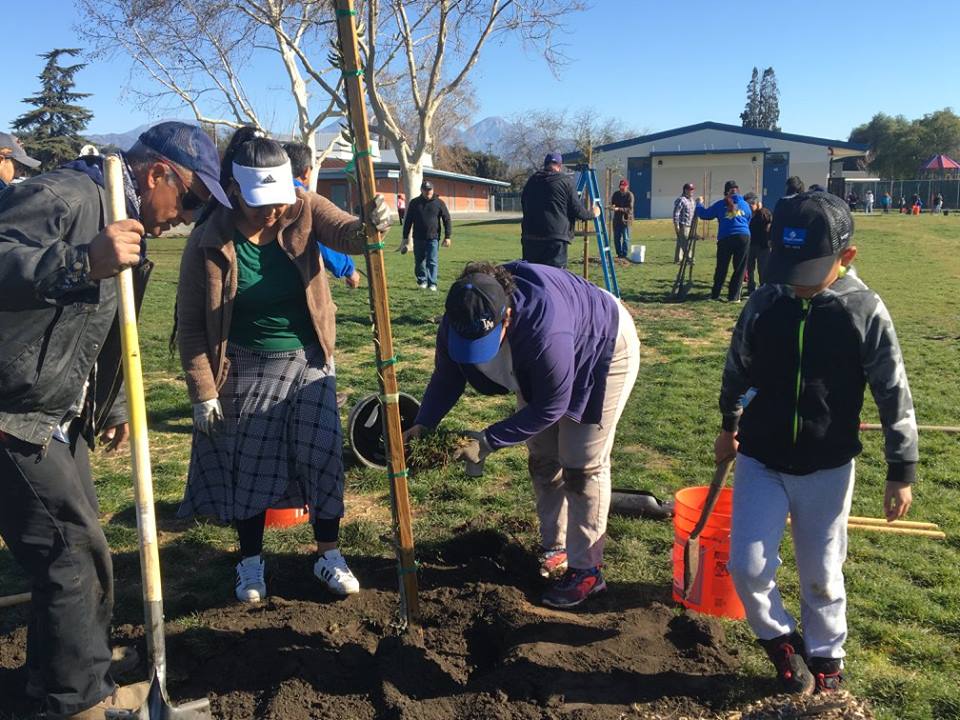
125, 140
486, 135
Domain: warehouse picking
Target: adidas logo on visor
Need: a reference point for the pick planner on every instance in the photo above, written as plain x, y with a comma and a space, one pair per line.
267, 179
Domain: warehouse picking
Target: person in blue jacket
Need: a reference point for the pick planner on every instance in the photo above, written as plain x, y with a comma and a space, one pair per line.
340, 265
570, 353
733, 238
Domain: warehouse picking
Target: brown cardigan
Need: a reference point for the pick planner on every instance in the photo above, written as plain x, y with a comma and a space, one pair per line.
208, 283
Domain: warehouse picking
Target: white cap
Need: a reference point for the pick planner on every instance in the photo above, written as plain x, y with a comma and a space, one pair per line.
265, 186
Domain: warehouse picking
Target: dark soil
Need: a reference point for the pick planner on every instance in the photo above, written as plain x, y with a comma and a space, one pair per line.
484, 648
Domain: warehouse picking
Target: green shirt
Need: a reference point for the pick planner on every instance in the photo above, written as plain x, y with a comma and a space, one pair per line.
270, 311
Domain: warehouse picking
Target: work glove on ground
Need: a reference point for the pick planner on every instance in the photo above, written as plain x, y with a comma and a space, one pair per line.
474, 453
208, 417
381, 216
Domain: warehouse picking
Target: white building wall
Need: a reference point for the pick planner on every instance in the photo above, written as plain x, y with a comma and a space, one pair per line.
810, 161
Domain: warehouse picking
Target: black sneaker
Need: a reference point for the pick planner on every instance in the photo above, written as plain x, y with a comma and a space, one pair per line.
786, 653
827, 673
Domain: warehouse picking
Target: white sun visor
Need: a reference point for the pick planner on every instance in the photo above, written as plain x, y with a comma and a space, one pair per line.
265, 186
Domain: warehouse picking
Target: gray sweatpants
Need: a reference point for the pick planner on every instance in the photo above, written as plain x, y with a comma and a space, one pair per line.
819, 505
570, 463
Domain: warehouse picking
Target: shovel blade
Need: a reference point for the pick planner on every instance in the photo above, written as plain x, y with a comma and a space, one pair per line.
158, 707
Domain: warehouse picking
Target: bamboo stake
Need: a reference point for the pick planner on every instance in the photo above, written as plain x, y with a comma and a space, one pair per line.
925, 428
857, 520
380, 310
937, 534
11, 600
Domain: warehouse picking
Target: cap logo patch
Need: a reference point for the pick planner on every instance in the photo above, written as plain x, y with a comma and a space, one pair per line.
268, 179
794, 237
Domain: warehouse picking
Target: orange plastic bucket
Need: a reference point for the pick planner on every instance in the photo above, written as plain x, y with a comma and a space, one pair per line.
712, 592
916, 209
286, 517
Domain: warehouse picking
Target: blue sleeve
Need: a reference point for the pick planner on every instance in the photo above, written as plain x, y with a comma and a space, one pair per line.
715, 211
339, 264
445, 387
552, 372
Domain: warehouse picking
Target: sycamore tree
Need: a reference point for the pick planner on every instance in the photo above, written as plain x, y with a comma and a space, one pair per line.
201, 54
51, 131
420, 53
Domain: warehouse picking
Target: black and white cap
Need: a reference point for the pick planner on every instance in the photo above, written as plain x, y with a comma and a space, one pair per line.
809, 231
265, 186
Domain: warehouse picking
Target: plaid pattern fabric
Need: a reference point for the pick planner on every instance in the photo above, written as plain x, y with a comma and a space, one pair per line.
281, 440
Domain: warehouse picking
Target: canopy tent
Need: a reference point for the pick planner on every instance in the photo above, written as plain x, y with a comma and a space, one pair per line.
940, 166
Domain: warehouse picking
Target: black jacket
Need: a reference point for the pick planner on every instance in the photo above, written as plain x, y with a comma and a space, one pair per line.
550, 207
804, 365
425, 217
58, 328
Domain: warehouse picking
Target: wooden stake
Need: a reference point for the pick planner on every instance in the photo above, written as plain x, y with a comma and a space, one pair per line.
937, 534
857, 520
11, 600
380, 310
924, 428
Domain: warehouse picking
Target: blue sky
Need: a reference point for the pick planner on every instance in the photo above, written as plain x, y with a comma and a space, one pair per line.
655, 65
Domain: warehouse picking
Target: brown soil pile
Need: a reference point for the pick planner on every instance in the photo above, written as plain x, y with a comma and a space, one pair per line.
484, 649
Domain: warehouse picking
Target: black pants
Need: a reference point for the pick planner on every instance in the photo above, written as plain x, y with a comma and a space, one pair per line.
756, 261
735, 247
546, 252
250, 532
49, 519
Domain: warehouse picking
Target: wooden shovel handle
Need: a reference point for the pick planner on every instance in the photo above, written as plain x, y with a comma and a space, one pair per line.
719, 478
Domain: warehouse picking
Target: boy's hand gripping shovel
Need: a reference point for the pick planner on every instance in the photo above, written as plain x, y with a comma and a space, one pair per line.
156, 706
691, 550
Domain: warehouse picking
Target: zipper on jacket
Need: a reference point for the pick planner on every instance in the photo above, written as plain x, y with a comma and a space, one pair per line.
804, 312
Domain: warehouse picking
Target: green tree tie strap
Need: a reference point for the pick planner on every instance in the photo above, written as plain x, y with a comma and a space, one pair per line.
398, 474
390, 398
341, 12
390, 360
408, 570
372, 247
352, 165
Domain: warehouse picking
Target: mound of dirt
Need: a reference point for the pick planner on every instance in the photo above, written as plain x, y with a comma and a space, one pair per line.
483, 650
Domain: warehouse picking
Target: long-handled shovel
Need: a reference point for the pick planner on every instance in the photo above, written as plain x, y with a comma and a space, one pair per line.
691, 549
156, 706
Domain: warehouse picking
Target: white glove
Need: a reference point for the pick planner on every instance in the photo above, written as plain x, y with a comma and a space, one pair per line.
474, 453
381, 216
208, 416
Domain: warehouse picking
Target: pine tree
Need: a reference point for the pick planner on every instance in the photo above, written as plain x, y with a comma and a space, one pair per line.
51, 132
769, 101
751, 113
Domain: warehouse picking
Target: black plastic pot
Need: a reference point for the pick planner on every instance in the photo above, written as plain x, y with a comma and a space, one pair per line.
365, 428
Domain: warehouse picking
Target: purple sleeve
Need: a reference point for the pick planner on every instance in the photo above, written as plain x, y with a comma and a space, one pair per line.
552, 373
445, 387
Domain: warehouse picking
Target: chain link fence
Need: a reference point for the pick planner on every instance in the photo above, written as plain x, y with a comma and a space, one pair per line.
925, 189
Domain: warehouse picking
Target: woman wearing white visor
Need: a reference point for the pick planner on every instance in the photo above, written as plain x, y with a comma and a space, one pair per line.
256, 336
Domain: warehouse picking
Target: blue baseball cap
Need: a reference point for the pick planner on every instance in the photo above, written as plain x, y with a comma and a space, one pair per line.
553, 158
189, 147
476, 307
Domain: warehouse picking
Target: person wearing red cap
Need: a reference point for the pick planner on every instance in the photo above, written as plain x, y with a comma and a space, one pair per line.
683, 209
622, 204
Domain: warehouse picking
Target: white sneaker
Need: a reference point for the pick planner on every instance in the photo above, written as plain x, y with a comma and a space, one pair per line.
433, 288
331, 569
251, 587
422, 286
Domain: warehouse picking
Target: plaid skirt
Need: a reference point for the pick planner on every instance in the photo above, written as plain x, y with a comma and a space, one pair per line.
280, 445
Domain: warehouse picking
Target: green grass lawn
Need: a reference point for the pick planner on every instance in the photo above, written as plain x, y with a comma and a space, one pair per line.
904, 592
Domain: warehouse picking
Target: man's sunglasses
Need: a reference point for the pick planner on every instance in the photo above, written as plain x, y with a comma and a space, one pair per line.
189, 201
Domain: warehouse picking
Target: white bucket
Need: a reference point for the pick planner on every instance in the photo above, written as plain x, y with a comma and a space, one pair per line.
638, 253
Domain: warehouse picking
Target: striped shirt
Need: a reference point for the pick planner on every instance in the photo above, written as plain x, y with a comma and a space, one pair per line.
683, 208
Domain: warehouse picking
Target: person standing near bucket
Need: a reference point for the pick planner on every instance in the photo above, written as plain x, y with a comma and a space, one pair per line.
683, 209
622, 203
733, 238
803, 349
256, 332
570, 353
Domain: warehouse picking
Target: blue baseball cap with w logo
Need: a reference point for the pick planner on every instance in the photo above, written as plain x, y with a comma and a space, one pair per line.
191, 148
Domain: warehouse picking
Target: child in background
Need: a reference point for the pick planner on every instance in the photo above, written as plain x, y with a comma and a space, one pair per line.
803, 349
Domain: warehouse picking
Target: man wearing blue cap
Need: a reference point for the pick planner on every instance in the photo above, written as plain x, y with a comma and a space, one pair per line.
550, 207
60, 387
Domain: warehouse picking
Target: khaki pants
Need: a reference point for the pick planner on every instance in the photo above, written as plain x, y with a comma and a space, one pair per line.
680, 250
570, 464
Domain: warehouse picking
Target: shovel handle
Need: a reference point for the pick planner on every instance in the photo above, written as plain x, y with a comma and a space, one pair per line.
719, 478
139, 443
949, 429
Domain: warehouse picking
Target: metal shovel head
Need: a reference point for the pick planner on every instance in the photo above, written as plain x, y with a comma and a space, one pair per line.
691, 549
158, 707
640, 504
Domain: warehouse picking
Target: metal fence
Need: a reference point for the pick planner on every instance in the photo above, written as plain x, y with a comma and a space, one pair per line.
507, 202
925, 189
